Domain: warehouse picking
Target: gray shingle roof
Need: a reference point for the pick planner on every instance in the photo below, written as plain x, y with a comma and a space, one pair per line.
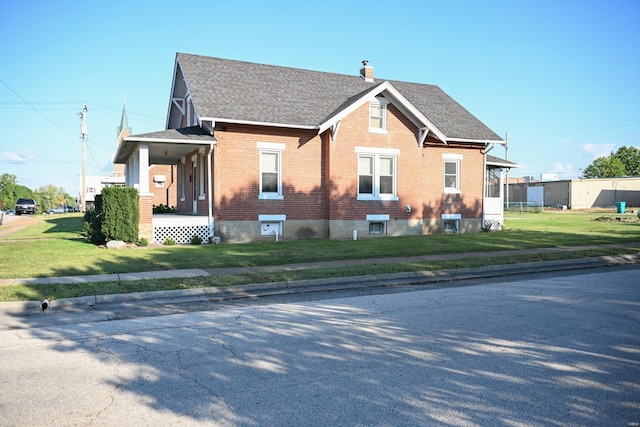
249, 92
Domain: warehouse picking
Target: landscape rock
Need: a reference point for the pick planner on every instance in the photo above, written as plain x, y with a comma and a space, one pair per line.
116, 244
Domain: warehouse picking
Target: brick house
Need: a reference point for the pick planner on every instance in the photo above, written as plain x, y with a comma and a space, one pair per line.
268, 152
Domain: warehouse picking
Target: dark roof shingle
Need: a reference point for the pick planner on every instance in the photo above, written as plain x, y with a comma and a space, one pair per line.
251, 92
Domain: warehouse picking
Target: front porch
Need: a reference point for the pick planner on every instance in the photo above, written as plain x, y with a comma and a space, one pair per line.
181, 228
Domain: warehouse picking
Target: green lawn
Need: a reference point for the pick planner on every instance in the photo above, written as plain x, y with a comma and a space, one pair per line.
54, 247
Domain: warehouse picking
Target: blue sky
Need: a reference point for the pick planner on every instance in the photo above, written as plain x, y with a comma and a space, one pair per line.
560, 77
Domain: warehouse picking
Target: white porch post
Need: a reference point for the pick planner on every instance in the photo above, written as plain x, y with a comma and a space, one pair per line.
143, 168
209, 190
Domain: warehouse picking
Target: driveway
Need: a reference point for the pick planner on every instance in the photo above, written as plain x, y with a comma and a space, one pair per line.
14, 223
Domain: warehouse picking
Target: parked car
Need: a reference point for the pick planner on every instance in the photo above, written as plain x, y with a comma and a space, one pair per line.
26, 206
56, 210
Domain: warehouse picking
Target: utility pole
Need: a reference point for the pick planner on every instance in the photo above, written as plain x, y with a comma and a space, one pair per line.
506, 157
83, 116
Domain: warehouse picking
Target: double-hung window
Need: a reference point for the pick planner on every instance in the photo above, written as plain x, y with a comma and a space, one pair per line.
377, 173
378, 115
452, 173
270, 170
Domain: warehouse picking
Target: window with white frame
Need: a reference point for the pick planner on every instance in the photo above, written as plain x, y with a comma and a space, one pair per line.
452, 173
271, 224
451, 223
270, 170
377, 173
377, 223
378, 115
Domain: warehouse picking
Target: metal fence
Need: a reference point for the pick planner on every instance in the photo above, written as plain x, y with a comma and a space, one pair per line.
523, 206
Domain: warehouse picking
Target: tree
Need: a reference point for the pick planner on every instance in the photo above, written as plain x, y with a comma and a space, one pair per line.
630, 157
50, 196
604, 167
624, 162
10, 191
7, 179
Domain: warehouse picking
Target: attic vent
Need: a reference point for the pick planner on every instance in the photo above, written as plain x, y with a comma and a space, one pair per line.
367, 71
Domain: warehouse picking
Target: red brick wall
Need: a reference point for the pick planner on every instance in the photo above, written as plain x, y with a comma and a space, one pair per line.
237, 168
145, 223
166, 195
420, 172
319, 176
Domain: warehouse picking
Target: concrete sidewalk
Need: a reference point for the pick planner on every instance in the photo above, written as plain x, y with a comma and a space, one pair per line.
186, 273
334, 283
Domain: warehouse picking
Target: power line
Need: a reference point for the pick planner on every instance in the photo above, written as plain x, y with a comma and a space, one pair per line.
580, 131
35, 109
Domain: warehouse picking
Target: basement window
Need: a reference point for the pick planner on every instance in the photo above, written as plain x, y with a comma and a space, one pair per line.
451, 223
377, 223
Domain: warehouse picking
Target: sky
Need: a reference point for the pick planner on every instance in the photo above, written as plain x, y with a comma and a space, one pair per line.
559, 79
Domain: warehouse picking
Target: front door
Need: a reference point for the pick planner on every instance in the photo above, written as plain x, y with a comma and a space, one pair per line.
194, 181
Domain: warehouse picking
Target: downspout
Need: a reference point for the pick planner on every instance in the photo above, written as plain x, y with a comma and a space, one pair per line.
210, 186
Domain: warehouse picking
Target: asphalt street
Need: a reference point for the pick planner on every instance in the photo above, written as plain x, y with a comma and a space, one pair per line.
556, 350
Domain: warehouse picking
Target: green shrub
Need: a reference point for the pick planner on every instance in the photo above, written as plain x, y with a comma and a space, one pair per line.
196, 240
169, 241
92, 227
121, 213
143, 241
163, 209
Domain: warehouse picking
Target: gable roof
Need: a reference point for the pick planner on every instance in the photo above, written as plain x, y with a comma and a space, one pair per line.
165, 146
500, 163
244, 92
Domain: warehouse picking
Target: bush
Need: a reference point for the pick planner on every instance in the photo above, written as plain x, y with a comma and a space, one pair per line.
169, 241
121, 213
115, 216
143, 242
163, 209
196, 240
92, 227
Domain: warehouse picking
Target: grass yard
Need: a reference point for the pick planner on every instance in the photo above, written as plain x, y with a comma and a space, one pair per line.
54, 247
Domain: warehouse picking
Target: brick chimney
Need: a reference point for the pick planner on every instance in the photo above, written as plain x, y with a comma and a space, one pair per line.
367, 71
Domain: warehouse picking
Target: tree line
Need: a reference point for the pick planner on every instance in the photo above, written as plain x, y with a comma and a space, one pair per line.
46, 197
624, 162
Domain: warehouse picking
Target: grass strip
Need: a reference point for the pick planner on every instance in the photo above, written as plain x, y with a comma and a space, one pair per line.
37, 292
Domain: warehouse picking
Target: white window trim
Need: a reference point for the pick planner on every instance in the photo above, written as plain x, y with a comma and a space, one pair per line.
457, 159
382, 102
202, 195
277, 148
378, 218
451, 218
376, 153
277, 220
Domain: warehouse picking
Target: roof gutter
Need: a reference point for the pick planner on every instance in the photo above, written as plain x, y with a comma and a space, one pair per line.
477, 141
255, 123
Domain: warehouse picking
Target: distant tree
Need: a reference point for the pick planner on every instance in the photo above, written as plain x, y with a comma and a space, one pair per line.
630, 157
624, 162
50, 196
7, 179
11, 191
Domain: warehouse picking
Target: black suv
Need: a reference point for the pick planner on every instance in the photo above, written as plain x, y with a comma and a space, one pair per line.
26, 206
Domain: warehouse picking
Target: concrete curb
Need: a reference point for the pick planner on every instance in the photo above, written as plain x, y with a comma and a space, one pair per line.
328, 284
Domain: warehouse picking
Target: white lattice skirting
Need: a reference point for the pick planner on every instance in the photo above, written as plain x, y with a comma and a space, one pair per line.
493, 225
181, 234
181, 228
